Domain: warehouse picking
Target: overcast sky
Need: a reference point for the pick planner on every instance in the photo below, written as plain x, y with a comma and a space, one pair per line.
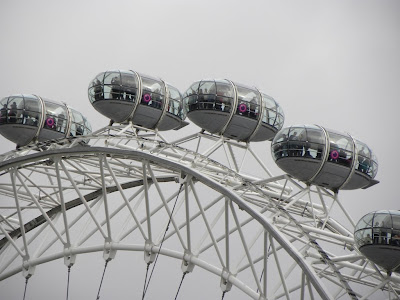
332, 63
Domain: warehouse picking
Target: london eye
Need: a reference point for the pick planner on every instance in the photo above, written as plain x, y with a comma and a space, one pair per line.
207, 201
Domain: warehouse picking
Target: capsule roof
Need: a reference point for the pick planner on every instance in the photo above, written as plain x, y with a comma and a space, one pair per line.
233, 110
324, 157
147, 101
377, 236
26, 118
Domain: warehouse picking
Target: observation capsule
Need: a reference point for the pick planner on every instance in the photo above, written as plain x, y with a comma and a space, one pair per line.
26, 118
324, 157
233, 110
147, 101
377, 236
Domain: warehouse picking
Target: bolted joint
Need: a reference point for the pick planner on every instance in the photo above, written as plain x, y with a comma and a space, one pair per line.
149, 255
69, 258
183, 178
187, 266
27, 269
225, 284
109, 253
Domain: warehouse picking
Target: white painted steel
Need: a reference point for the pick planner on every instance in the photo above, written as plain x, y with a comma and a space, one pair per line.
81, 199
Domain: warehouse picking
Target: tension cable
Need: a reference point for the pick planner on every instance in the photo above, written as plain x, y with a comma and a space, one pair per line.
69, 271
101, 282
162, 241
26, 284
262, 273
183, 277
145, 280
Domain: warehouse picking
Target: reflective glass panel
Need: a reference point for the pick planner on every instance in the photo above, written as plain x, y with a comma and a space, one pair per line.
56, 116
279, 145
269, 115
77, 124
3, 110
248, 102
15, 109
365, 222
225, 88
190, 97
32, 110
297, 138
364, 163
153, 92
174, 104
207, 95
340, 150
130, 84
379, 220
315, 135
225, 94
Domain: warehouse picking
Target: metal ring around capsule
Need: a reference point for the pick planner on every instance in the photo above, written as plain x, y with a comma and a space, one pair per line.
41, 123
234, 105
353, 164
324, 157
166, 102
139, 95
260, 115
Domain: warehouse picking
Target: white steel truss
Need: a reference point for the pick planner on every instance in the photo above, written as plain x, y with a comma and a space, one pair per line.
270, 237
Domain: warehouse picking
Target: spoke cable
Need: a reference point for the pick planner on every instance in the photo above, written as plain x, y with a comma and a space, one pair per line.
69, 271
223, 295
183, 277
101, 282
26, 284
162, 241
145, 280
262, 273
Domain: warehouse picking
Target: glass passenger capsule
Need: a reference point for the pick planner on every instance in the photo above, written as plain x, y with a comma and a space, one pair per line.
233, 110
147, 101
324, 157
27, 118
377, 236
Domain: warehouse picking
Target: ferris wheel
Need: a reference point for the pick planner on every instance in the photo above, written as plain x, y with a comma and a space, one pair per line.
207, 201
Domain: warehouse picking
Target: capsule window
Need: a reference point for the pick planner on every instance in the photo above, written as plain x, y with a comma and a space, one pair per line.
130, 86
190, 97
364, 237
248, 102
340, 151
56, 117
225, 94
280, 148
32, 111
112, 85
315, 142
296, 141
364, 164
16, 110
77, 123
96, 88
153, 93
207, 95
269, 115
174, 106
365, 222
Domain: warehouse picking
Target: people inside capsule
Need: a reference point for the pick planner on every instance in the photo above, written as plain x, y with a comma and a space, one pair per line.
233, 110
28, 118
125, 96
324, 157
377, 236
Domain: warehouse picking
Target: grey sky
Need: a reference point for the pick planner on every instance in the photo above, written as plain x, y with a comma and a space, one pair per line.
332, 63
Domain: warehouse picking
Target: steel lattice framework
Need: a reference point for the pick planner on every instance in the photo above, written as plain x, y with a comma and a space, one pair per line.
269, 236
